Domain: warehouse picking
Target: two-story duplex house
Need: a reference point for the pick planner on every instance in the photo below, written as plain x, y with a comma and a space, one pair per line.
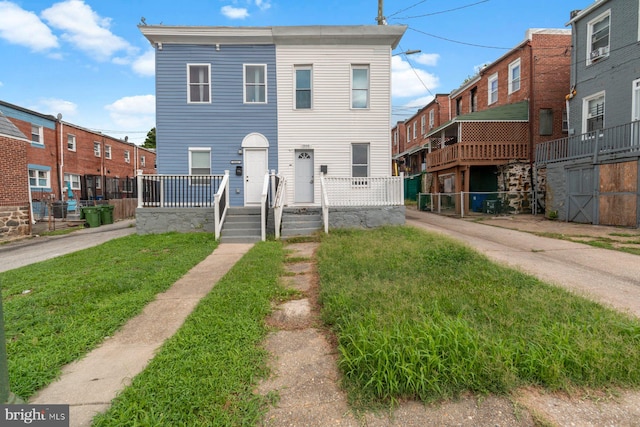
592, 175
302, 101
498, 116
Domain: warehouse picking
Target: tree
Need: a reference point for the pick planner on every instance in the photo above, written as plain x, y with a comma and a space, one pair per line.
150, 142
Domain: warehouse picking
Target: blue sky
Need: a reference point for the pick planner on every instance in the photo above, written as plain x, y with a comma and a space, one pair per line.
87, 59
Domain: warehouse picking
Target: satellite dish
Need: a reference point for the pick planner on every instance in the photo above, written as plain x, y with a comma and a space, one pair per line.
59, 116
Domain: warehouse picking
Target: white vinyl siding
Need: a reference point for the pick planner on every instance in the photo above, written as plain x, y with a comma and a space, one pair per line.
332, 126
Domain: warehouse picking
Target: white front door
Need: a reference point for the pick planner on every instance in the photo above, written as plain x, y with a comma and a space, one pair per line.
255, 167
304, 176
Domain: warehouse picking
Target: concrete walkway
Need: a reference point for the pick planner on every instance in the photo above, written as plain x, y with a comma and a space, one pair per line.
89, 385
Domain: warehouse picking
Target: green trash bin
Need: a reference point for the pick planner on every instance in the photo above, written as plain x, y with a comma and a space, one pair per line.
106, 214
91, 215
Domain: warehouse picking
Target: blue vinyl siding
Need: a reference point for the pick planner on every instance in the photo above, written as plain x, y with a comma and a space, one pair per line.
29, 118
221, 124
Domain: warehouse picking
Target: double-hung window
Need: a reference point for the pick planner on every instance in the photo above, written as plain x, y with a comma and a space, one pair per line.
127, 156
72, 180
96, 149
423, 124
39, 177
37, 135
143, 161
255, 84
635, 100
359, 162
593, 112
359, 86
409, 133
71, 142
432, 118
107, 152
199, 83
303, 87
514, 76
493, 89
199, 164
598, 37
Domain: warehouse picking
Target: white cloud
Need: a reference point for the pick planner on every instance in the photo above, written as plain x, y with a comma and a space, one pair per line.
24, 28
234, 12
407, 81
263, 4
54, 106
85, 29
145, 65
419, 102
133, 112
428, 59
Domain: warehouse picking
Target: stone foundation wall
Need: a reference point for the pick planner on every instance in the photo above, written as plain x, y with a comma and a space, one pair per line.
14, 222
366, 217
164, 220
515, 178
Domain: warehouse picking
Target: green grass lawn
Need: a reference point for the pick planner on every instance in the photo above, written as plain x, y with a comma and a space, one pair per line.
58, 310
416, 316
206, 373
420, 316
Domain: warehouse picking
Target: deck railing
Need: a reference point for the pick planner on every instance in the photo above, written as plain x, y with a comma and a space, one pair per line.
178, 191
462, 152
619, 141
278, 204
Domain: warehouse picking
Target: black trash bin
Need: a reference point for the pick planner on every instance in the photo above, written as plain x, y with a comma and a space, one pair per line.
59, 209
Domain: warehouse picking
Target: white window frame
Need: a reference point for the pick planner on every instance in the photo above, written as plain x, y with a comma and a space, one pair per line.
40, 134
205, 87
360, 165
409, 133
585, 110
423, 124
395, 138
513, 82
415, 130
71, 142
98, 182
490, 81
297, 89
41, 175
107, 151
198, 150
590, 48
635, 100
127, 156
364, 90
143, 161
74, 179
255, 86
432, 117
97, 151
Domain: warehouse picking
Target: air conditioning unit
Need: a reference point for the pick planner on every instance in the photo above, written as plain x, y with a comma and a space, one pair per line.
599, 53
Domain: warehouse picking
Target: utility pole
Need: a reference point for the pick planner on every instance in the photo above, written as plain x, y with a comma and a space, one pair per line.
380, 18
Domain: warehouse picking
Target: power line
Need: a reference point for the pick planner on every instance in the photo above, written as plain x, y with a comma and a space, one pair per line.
444, 11
407, 8
459, 42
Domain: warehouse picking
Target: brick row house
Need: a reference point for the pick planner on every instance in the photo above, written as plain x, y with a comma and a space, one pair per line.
592, 174
484, 132
67, 162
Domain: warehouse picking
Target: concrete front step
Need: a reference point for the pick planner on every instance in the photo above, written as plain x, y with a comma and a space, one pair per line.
242, 225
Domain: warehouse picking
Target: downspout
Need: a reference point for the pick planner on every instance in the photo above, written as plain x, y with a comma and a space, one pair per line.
61, 157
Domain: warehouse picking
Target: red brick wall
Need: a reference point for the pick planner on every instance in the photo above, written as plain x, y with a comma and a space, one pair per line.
14, 179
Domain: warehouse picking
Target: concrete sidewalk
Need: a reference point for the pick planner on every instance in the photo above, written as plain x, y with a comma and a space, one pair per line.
89, 385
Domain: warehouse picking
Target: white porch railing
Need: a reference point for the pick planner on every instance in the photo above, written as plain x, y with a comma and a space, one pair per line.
264, 205
278, 204
221, 205
360, 191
